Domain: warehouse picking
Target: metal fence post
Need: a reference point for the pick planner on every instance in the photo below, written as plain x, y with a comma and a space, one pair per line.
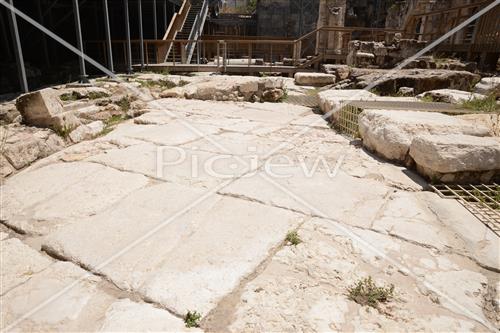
108, 35
141, 37
127, 32
79, 41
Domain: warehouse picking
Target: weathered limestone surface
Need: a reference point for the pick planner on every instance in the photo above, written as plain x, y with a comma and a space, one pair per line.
341, 72
389, 132
128, 316
450, 154
24, 145
78, 309
451, 96
86, 132
37, 201
304, 287
208, 229
171, 235
44, 109
19, 263
488, 85
314, 79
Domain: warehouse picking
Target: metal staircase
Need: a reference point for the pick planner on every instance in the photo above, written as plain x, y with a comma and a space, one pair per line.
191, 30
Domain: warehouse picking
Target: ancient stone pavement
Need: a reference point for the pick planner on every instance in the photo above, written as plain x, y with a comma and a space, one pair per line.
129, 231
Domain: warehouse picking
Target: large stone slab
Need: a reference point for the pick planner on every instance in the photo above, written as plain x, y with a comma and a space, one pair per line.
44, 109
174, 133
78, 308
176, 164
330, 101
314, 79
389, 133
275, 113
317, 192
128, 316
187, 262
457, 154
451, 96
39, 200
19, 263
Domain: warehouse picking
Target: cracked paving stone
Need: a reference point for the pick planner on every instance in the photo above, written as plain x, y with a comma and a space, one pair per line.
38, 201
128, 316
79, 308
188, 264
19, 263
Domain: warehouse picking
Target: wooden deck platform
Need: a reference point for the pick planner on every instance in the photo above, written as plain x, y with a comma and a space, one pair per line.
177, 68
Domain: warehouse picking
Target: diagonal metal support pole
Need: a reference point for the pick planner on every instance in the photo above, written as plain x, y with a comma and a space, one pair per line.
79, 42
23, 82
108, 35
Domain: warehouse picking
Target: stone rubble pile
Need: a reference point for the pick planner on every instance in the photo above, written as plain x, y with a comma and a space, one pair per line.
381, 54
231, 88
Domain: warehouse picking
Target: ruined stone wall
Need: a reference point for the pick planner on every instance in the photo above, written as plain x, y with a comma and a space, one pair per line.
286, 18
331, 14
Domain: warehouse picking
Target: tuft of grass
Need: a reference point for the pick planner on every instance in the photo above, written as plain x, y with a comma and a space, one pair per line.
97, 95
162, 84
182, 83
427, 99
488, 104
124, 104
63, 132
284, 97
293, 238
72, 96
366, 292
192, 319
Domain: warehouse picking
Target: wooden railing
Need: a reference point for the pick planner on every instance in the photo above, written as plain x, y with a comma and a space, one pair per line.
174, 27
247, 51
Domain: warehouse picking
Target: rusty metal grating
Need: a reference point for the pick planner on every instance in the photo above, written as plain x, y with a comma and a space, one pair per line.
347, 122
483, 201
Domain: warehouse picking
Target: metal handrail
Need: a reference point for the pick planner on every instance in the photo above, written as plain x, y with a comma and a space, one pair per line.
196, 30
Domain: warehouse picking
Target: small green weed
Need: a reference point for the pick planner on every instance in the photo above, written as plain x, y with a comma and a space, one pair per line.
427, 99
293, 238
124, 104
366, 292
97, 95
284, 97
162, 84
192, 319
488, 104
64, 131
72, 96
182, 83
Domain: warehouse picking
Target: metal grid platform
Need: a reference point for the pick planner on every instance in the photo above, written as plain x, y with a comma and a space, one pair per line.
483, 201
